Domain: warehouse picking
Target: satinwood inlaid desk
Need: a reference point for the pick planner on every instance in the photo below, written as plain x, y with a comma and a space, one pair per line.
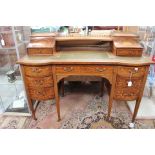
50, 59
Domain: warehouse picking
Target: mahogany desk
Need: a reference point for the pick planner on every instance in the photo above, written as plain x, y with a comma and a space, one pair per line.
47, 64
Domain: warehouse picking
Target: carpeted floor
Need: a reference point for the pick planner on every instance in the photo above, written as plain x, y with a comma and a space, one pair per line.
81, 108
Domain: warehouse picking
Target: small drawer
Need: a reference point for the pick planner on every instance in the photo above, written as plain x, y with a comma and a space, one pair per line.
86, 69
129, 52
97, 69
126, 94
40, 82
66, 69
44, 93
40, 71
39, 51
122, 82
127, 71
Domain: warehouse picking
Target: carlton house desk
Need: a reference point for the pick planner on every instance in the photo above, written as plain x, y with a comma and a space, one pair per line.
51, 58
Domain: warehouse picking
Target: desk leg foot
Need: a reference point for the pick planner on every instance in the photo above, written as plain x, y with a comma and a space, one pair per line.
132, 125
32, 109
108, 118
59, 119
136, 109
33, 115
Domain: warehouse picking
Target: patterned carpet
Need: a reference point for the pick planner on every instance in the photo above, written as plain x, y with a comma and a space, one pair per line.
95, 117
80, 109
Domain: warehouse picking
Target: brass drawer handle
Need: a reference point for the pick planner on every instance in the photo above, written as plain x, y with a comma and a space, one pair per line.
40, 51
40, 93
128, 94
134, 70
100, 69
37, 70
40, 82
68, 69
131, 53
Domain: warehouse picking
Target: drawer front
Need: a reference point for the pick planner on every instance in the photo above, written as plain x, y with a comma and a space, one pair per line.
126, 71
129, 52
122, 82
39, 51
44, 93
125, 92
40, 82
86, 69
40, 71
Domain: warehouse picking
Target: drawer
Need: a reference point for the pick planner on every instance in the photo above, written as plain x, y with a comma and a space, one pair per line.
129, 52
126, 94
86, 69
122, 82
39, 51
40, 82
39, 71
44, 93
126, 71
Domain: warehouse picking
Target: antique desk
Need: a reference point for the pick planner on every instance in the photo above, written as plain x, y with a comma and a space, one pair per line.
52, 58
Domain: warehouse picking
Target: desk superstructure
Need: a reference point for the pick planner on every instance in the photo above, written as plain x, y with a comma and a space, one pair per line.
52, 58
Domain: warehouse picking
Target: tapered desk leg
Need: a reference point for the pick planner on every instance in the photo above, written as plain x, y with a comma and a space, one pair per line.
62, 88
112, 86
32, 109
57, 99
136, 108
110, 101
102, 87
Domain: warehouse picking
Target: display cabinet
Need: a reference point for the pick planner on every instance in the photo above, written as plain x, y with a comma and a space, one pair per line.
13, 42
147, 36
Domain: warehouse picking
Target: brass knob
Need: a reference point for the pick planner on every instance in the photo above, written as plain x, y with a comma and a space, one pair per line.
136, 69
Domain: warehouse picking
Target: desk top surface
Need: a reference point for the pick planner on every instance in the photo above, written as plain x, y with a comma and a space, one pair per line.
84, 57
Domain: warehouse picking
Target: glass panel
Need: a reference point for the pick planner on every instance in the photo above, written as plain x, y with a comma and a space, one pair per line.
12, 92
147, 35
